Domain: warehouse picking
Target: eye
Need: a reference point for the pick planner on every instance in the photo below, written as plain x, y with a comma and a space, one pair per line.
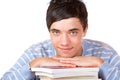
56, 32
73, 33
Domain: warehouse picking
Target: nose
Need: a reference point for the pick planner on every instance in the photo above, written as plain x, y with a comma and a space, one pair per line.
64, 40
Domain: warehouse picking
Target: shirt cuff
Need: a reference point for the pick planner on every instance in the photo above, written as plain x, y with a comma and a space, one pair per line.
105, 69
27, 73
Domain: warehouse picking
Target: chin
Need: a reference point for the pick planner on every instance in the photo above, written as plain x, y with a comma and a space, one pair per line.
65, 56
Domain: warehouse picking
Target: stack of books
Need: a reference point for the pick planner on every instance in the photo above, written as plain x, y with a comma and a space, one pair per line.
61, 73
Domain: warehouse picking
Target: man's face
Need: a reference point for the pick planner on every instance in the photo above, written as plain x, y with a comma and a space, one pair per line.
66, 36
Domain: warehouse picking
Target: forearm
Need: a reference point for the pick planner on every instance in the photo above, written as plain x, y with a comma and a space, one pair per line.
109, 72
23, 73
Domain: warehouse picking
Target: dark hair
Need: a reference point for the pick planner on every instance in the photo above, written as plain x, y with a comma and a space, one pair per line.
63, 9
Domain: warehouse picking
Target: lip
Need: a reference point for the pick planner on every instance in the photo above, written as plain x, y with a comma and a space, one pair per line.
65, 49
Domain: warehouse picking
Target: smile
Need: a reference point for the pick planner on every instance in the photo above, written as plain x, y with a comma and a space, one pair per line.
66, 49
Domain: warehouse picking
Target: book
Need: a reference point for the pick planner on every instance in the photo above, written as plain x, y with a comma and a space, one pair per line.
62, 73
68, 78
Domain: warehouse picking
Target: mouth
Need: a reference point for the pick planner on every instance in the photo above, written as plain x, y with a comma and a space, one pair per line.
64, 49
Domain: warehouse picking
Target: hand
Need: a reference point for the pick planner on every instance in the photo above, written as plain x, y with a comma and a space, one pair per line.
46, 61
82, 61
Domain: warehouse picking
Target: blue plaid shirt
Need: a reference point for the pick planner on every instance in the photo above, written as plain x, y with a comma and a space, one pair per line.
109, 70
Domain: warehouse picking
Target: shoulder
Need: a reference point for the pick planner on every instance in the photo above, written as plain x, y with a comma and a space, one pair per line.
42, 44
97, 47
41, 48
96, 43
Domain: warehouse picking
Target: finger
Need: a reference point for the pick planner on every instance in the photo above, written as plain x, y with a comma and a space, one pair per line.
69, 62
59, 58
68, 65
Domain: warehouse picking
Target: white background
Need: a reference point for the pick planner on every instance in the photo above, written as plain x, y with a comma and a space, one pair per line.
22, 23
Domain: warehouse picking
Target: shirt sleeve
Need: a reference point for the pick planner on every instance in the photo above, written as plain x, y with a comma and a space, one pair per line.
111, 70
23, 73
21, 69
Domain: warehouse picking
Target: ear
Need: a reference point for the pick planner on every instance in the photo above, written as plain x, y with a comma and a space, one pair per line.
85, 31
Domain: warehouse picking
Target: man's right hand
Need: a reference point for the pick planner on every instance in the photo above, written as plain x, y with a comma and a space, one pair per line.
46, 61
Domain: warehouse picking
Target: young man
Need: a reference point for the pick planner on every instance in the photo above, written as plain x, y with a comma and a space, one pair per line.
67, 25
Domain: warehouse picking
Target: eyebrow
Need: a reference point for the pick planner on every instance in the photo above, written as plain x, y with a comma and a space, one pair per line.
54, 30
73, 29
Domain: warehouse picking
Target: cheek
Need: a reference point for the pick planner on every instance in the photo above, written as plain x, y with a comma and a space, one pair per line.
76, 39
76, 42
55, 41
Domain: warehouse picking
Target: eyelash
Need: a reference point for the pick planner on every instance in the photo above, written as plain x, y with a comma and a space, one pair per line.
73, 32
55, 32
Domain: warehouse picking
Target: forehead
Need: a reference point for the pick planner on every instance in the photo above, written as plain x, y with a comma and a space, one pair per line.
67, 24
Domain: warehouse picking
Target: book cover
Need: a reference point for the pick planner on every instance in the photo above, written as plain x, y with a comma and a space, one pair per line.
59, 72
69, 78
68, 74
60, 69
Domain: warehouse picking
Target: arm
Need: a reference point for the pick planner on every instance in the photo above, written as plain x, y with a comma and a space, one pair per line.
33, 57
82, 61
111, 70
21, 69
48, 61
